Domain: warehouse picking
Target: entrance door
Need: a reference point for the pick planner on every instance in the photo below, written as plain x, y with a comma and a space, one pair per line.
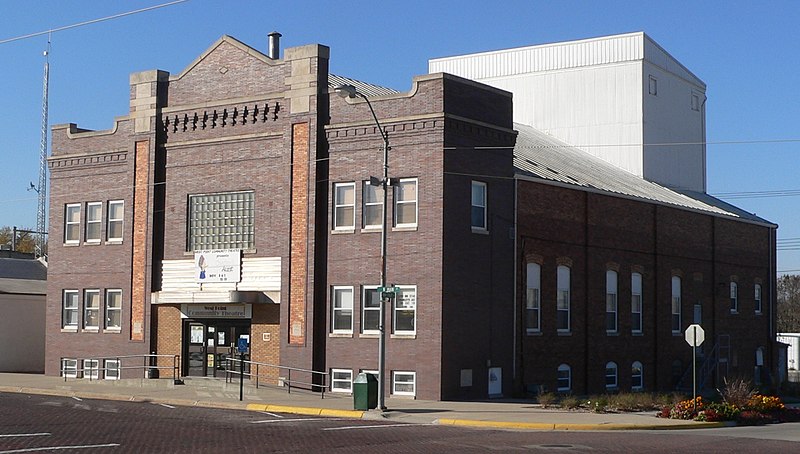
196, 352
495, 382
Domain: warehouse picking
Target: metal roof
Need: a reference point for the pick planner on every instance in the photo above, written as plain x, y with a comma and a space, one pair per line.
540, 156
368, 90
23, 286
13, 268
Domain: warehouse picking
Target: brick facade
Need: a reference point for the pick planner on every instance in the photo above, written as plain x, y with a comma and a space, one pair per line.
236, 121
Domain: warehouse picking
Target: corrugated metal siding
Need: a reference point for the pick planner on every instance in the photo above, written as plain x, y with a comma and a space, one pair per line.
368, 90
179, 285
546, 57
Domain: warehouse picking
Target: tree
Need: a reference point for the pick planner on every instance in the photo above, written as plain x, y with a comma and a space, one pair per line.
25, 240
789, 303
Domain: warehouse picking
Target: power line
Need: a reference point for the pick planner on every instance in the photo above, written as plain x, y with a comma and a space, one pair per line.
89, 22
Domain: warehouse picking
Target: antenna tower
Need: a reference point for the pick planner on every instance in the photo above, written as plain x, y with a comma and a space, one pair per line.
41, 211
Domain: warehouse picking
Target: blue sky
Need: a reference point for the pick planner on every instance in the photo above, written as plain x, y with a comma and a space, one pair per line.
745, 51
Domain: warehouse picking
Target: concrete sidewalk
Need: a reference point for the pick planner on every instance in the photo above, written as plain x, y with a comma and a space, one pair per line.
216, 393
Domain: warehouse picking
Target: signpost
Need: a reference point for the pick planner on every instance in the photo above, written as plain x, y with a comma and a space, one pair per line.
695, 335
388, 292
242, 347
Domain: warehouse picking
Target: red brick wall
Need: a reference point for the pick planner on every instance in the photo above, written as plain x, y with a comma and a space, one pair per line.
299, 235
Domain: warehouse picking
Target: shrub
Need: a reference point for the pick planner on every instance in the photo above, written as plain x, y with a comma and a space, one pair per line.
598, 404
708, 415
547, 399
737, 392
664, 412
571, 402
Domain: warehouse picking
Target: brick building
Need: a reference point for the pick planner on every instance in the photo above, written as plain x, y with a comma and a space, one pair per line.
233, 201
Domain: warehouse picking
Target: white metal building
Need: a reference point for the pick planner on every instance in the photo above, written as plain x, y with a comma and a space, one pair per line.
620, 98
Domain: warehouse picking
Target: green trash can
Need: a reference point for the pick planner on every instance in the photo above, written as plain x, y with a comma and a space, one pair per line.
365, 392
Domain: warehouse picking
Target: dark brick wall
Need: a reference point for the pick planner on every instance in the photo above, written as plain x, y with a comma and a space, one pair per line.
577, 228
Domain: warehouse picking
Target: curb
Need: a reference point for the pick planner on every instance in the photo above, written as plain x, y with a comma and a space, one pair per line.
310, 411
549, 426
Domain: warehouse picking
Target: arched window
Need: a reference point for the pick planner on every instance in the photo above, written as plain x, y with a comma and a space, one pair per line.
562, 303
564, 378
532, 303
611, 301
636, 303
676, 304
611, 375
637, 377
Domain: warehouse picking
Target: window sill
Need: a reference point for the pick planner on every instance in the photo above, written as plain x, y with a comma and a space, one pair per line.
69, 330
341, 335
612, 333
371, 230
637, 333
114, 241
369, 335
734, 312
534, 333
112, 330
404, 396
92, 243
72, 244
480, 230
90, 330
564, 333
758, 313
676, 333
343, 231
402, 228
403, 336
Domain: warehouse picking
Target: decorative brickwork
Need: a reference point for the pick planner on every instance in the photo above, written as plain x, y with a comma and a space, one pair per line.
140, 222
299, 237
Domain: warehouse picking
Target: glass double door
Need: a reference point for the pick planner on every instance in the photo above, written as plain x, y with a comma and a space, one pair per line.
208, 343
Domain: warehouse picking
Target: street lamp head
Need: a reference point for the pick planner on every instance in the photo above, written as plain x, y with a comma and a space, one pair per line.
346, 91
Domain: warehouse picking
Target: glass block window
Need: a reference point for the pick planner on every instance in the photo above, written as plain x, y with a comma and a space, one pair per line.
222, 221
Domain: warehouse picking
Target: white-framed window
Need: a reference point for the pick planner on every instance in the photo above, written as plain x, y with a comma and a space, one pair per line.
69, 309
478, 214
564, 378
636, 303
341, 380
91, 309
342, 316
611, 375
637, 376
69, 367
113, 309
111, 369
94, 222
652, 86
676, 305
370, 310
404, 315
405, 203
562, 300
734, 298
72, 223
91, 368
404, 383
533, 317
223, 220
611, 301
344, 206
758, 298
372, 210
116, 215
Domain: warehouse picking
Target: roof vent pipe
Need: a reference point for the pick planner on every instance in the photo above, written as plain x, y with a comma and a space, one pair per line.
274, 45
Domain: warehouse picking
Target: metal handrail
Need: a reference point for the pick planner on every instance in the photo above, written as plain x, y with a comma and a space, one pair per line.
232, 366
149, 362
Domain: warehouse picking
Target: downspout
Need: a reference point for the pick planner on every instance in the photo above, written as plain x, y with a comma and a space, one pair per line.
585, 293
517, 254
655, 297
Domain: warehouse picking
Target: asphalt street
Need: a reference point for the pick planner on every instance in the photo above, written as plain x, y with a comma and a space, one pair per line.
35, 423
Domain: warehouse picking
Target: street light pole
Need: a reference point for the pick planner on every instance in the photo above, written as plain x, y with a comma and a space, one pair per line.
349, 91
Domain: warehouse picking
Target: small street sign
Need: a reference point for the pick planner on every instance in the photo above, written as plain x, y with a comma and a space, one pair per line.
695, 335
389, 289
